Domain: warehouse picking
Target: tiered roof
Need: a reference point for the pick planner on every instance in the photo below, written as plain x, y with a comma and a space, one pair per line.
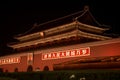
77, 25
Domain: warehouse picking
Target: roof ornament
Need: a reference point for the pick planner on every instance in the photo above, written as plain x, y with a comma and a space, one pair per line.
86, 8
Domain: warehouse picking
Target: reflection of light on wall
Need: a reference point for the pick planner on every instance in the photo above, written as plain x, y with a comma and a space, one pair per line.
114, 49
10, 60
30, 58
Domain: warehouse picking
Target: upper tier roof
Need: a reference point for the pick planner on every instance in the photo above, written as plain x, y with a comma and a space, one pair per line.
83, 16
80, 24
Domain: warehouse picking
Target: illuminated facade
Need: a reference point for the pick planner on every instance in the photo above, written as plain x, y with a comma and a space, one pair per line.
74, 40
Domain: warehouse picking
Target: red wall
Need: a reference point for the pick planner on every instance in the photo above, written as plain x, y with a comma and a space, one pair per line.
11, 67
97, 49
106, 50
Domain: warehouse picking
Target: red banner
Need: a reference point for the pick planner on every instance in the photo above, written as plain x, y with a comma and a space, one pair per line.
10, 60
66, 54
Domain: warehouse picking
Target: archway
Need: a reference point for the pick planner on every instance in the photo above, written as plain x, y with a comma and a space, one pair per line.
30, 68
6, 70
16, 70
1, 70
46, 68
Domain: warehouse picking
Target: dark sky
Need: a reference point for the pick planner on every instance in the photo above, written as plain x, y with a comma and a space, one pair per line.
19, 16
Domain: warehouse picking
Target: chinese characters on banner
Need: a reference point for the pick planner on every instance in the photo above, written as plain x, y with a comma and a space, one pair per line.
66, 53
10, 60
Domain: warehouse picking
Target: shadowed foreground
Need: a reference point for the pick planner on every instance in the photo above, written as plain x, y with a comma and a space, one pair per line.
101, 74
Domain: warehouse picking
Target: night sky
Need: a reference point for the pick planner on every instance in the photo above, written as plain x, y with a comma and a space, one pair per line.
19, 16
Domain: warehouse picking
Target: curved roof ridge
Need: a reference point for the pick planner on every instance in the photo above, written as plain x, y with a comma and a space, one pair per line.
95, 19
71, 17
37, 25
86, 9
61, 18
80, 15
105, 26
